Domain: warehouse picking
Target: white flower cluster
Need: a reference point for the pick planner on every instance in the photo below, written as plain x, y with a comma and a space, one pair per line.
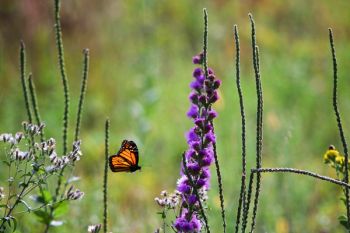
12, 140
169, 201
74, 195
19, 155
61, 162
33, 129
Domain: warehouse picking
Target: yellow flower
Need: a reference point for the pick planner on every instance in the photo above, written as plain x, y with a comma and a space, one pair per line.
331, 155
340, 160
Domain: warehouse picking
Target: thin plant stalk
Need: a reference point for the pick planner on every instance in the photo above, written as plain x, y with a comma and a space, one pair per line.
205, 57
301, 172
82, 93
105, 178
22, 61
35, 104
59, 43
339, 123
60, 49
247, 203
243, 136
259, 127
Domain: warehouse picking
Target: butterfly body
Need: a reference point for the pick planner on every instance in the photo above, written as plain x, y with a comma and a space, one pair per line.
127, 158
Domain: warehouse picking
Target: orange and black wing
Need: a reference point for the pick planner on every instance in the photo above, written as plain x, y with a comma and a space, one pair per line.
127, 159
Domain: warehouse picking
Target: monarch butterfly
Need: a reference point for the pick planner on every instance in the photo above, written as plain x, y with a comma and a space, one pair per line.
127, 158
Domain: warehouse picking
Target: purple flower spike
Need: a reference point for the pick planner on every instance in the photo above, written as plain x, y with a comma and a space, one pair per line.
199, 155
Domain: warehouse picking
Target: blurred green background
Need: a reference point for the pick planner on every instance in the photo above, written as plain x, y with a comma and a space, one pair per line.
139, 77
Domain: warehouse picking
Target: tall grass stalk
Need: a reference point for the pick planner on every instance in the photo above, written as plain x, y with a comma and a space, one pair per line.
105, 178
217, 166
22, 61
82, 93
242, 193
339, 123
34, 101
61, 61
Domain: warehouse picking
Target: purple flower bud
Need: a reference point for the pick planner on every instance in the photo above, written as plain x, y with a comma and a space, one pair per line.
196, 146
201, 79
190, 153
211, 77
209, 138
207, 128
193, 97
210, 71
183, 186
197, 60
201, 183
210, 92
197, 72
192, 199
208, 84
193, 111
203, 99
195, 85
207, 160
192, 136
200, 122
193, 168
214, 97
211, 115
205, 173
217, 84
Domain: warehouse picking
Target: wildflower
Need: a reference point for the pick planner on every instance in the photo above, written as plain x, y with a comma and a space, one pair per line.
94, 228
33, 129
199, 155
74, 195
5, 137
169, 201
19, 155
331, 154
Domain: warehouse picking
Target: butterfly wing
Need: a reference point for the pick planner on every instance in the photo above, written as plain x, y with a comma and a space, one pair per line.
126, 159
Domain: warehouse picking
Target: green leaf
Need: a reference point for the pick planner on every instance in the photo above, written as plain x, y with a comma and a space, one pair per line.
26, 174
14, 224
343, 220
60, 208
43, 216
7, 163
26, 205
44, 198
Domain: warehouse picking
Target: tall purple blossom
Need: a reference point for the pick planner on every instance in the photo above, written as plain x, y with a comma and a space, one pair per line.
199, 155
